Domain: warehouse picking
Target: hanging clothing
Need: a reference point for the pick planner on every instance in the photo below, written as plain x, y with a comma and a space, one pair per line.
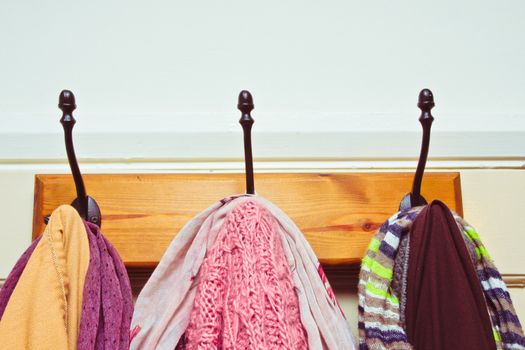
445, 305
83, 295
247, 243
385, 293
108, 303
43, 310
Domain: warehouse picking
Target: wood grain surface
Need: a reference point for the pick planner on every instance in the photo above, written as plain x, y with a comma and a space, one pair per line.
337, 212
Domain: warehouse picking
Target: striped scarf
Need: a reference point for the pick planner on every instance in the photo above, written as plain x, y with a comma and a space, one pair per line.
382, 285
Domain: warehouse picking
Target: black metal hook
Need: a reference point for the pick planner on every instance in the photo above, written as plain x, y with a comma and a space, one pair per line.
245, 105
87, 207
425, 103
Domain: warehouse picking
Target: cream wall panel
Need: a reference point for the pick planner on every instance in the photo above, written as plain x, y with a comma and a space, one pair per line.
518, 298
348, 302
16, 208
494, 203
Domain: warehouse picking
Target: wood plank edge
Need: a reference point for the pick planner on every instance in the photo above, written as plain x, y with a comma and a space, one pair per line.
38, 203
458, 194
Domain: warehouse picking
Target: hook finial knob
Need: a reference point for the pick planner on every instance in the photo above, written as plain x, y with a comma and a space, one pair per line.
425, 104
245, 104
67, 104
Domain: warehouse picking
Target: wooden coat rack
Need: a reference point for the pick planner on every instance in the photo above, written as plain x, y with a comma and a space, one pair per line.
337, 212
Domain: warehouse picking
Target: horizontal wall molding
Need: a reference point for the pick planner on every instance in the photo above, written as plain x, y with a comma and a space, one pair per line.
341, 278
139, 278
180, 166
514, 281
346, 278
291, 138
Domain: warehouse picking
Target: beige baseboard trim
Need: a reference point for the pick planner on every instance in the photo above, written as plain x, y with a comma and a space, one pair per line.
342, 278
514, 280
139, 278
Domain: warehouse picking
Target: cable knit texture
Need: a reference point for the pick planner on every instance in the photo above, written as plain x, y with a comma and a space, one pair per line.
246, 298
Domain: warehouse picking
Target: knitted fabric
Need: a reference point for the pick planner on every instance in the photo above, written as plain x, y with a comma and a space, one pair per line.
107, 307
321, 315
163, 307
380, 320
399, 277
380, 325
89, 320
127, 296
163, 310
507, 329
246, 298
111, 312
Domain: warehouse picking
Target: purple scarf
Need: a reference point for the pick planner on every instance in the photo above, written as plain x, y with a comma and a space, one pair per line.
107, 306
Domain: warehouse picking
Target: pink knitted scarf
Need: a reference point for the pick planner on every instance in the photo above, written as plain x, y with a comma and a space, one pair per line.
246, 297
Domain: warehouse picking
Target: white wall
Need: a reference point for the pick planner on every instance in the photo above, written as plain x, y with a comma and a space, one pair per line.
340, 67
129, 57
